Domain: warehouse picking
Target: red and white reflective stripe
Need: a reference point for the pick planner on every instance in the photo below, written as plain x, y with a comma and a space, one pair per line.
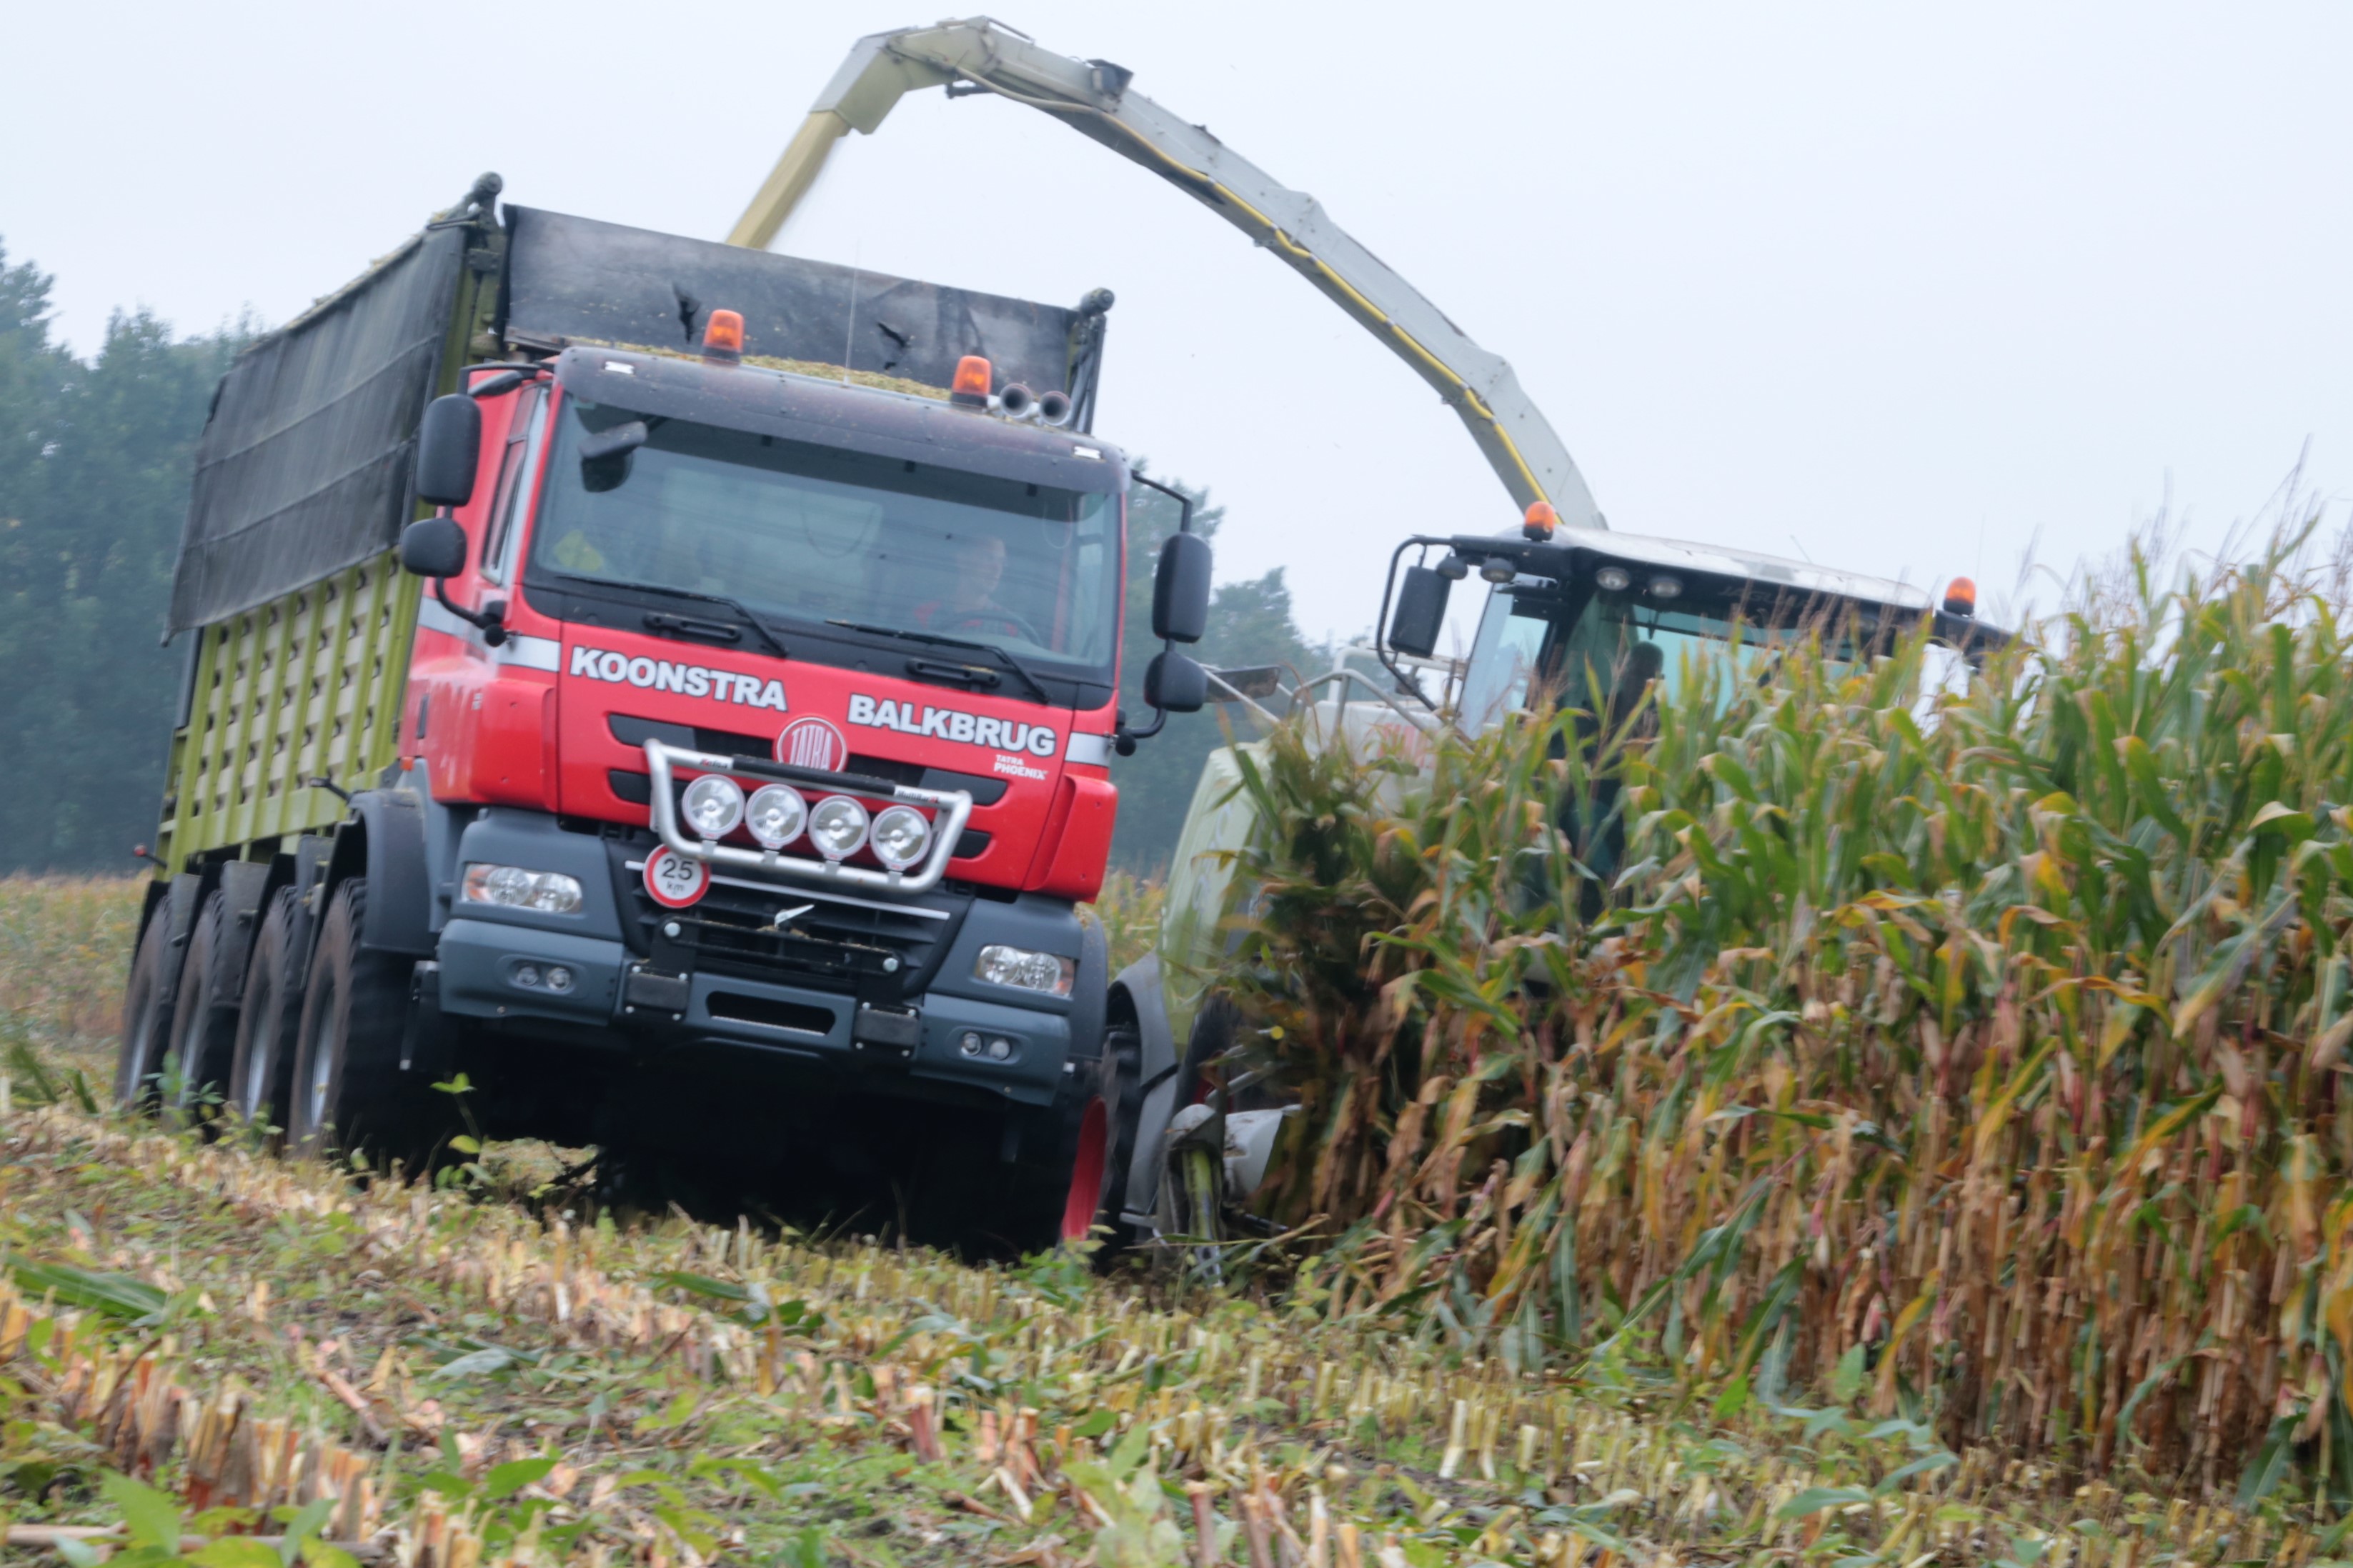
674, 880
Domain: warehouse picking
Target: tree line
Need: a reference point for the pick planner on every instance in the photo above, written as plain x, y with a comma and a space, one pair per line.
96, 456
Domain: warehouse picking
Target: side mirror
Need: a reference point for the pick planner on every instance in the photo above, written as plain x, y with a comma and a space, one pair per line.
1174, 683
1420, 613
433, 547
449, 446
1181, 591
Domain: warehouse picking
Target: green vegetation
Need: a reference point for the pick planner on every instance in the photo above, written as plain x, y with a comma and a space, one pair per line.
1982, 1054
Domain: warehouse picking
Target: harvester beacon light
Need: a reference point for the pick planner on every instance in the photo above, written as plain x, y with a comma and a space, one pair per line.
1961, 597
1540, 522
722, 338
973, 380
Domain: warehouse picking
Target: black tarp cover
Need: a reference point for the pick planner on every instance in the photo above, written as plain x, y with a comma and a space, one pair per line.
575, 280
304, 467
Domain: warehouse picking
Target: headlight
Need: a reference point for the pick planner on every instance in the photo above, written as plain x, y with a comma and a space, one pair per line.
1025, 971
1613, 579
901, 834
513, 887
838, 826
713, 806
775, 814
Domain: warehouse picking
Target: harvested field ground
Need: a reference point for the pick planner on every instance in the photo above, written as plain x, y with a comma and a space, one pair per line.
448, 1377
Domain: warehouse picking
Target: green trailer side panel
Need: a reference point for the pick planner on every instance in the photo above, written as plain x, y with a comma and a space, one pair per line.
307, 686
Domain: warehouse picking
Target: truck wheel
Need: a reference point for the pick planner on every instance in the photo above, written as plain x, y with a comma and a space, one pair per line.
261, 1060
1124, 1059
348, 1091
201, 1035
146, 1017
1062, 1185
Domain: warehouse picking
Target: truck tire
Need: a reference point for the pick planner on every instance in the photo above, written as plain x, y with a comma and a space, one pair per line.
1124, 1059
146, 1018
201, 1037
1062, 1187
348, 1092
261, 1060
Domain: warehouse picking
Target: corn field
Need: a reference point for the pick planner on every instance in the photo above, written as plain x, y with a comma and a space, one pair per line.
1824, 1033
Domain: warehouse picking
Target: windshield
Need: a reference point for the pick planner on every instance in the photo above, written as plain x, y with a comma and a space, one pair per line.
1617, 645
807, 534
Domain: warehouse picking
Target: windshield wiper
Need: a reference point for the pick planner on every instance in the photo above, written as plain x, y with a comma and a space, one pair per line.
751, 620
1011, 663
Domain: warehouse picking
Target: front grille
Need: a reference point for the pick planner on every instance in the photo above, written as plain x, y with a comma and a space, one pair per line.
845, 944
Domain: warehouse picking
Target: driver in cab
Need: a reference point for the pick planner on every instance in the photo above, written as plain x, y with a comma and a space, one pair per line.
970, 602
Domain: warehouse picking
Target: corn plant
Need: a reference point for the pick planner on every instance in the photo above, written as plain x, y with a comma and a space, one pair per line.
1977, 1052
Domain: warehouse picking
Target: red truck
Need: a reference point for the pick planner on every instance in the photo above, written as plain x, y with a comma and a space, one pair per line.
720, 779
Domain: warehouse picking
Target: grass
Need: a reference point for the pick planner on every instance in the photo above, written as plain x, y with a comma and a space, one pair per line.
65, 949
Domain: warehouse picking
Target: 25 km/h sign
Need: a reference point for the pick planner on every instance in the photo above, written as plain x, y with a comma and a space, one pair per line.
675, 880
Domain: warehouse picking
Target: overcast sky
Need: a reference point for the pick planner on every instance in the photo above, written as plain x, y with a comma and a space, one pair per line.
1895, 288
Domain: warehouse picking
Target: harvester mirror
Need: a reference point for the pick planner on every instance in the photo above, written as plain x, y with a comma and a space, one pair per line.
1180, 590
433, 547
1174, 683
448, 445
1420, 613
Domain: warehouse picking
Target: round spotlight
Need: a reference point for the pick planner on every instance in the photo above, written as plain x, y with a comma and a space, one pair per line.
968, 1043
559, 978
901, 834
713, 806
1613, 580
526, 974
838, 826
1665, 587
1498, 569
775, 814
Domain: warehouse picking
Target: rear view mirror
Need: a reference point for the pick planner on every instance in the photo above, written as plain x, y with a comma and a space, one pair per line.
433, 547
1420, 613
1174, 683
1180, 590
605, 456
448, 445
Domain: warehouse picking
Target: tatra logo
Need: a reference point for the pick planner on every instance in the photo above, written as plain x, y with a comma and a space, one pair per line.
948, 724
687, 680
812, 742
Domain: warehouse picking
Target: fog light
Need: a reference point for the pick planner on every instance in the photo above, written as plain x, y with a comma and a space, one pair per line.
968, 1043
838, 826
713, 806
1000, 1049
513, 887
1613, 580
1024, 970
899, 835
526, 974
777, 814
558, 978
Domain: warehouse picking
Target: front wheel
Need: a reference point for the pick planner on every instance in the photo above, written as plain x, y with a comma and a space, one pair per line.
1063, 1188
348, 1090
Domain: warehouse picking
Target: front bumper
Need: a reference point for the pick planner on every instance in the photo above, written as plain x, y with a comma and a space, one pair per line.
631, 989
